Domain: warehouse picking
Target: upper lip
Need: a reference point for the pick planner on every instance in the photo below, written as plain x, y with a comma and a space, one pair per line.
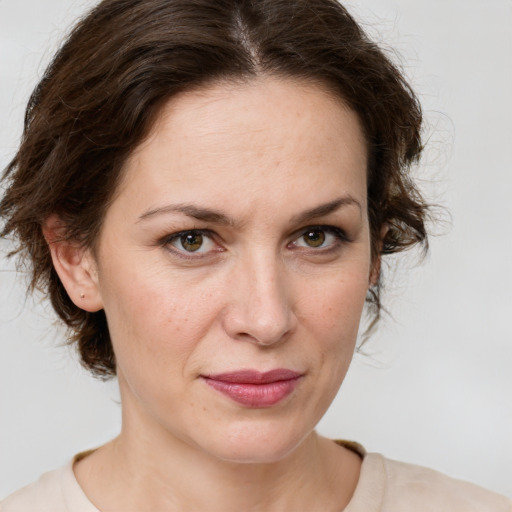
255, 376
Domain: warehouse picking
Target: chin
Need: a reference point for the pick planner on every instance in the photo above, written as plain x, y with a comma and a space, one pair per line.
262, 444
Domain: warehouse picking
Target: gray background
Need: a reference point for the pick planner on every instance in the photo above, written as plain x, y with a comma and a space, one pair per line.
436, 387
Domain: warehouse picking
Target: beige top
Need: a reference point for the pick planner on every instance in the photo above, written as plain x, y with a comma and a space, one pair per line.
384, 486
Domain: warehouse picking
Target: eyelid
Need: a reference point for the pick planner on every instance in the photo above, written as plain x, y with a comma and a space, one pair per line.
167, 240
324, 227
337, 232
183, 232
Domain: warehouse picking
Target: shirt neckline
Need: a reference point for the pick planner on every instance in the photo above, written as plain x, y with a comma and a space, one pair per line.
368, 495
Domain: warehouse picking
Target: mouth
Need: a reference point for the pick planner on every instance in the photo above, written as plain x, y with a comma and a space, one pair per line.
255, 389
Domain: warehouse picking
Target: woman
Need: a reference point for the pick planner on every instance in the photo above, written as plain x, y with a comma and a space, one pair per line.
205, 191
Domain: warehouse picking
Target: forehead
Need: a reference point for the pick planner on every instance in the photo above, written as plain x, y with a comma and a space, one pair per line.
270, 135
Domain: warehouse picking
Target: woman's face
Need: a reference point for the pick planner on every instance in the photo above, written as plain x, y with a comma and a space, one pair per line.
233, 266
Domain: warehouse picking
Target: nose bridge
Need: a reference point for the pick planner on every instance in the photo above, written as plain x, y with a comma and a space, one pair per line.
260, 308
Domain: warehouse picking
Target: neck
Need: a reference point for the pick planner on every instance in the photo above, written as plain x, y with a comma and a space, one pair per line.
215, 484
147, 468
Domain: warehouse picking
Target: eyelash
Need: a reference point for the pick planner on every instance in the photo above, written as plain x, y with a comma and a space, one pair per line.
167, 241
339, 234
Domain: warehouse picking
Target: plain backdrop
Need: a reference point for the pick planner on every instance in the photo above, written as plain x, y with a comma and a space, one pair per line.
436, 386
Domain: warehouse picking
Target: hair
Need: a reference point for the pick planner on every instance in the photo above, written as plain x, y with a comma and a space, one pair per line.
105, 87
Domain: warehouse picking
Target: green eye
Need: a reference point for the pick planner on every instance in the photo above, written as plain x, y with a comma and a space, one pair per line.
191, 242
314, 238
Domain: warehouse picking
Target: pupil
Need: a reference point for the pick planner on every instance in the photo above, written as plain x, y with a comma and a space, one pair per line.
192, 242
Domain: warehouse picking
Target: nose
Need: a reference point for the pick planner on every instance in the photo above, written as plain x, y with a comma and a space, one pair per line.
260, 307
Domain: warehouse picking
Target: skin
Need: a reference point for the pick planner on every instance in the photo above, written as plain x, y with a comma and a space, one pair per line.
257, 294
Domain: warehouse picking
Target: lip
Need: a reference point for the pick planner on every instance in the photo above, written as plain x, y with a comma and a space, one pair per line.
255, 389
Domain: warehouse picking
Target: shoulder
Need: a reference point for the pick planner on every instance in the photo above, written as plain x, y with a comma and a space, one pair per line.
45, 494
410, 487
55, 491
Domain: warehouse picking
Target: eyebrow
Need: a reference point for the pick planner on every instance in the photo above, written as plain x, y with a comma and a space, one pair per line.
190, 210
216, 217
326, 209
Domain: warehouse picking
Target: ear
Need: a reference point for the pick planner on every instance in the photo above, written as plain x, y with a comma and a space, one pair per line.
376, 263
75, 266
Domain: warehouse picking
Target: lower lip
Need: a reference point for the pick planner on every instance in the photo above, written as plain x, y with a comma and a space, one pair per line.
255, 395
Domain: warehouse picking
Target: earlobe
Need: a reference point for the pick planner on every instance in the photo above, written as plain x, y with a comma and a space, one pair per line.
75, 266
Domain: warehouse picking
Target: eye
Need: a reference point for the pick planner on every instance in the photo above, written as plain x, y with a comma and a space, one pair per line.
320, 237
314, 238
194, 241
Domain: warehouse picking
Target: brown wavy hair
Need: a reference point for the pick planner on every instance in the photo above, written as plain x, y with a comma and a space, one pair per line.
101, 94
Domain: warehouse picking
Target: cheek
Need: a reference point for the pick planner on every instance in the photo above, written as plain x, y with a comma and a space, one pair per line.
154, 318
330, 316
335, 306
